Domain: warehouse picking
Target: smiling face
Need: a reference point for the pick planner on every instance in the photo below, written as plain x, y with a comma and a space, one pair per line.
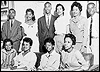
91, 9
26, 46
29, 16
49, 46
67, 43
76, 11
12, 14
47, 8
8, 46
59, 10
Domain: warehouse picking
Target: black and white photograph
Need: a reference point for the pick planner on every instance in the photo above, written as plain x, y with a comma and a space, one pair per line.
49, 35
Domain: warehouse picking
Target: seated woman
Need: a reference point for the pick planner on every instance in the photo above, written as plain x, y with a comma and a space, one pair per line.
50, 61
7, 54
26, 59
72, 59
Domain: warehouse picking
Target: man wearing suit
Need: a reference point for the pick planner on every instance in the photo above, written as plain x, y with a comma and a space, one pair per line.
11, 30
46, 26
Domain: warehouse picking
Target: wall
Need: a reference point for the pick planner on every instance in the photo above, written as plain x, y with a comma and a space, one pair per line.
37, 6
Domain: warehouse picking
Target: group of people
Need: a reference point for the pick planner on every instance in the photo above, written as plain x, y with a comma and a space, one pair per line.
61, 43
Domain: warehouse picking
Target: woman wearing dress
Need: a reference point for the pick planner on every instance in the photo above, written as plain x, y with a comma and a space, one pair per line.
61, 27
72, 59
30, 28
78, 27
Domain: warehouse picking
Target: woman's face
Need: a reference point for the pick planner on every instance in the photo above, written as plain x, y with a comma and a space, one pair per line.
8, 46
59, 10
76, 11
49, 46
26, 46
67, 43
29, 15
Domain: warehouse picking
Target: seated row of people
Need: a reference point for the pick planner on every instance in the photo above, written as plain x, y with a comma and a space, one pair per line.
68, 59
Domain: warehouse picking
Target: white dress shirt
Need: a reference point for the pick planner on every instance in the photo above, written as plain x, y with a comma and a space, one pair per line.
51, 63
28, 60
95, 25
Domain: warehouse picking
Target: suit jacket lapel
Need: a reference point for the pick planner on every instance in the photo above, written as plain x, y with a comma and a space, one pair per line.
8, 29
13, 27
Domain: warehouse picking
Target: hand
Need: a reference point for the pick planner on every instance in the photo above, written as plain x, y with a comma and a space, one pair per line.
13, 67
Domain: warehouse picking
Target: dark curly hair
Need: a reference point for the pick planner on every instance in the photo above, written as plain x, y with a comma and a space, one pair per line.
7, 40
50, 40
30, 10
77, 5
29, 40
72, 37
61, 6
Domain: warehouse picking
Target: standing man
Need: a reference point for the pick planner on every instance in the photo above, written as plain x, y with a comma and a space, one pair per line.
11, 29
46, 26
93, 31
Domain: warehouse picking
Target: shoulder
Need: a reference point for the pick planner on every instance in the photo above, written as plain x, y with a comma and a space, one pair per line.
5, 23
83, 18
41, 18
56, 54
18, 22
3, 50
54, 17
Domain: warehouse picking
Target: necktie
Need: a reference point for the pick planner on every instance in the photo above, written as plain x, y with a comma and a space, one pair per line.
91, 30
48, 22
11, 23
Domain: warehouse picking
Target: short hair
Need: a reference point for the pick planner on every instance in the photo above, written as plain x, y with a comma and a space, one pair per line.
47, 3
90, 3
12, 9
30, 10
50, 40
61, 6
77, 5
7, 40
29, 40
72, 37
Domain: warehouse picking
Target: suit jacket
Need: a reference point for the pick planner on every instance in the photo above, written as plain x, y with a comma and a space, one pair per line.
43, 31
14, 33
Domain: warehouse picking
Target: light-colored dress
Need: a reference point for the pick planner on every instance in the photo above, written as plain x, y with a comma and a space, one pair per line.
74, 60
28, 60
7, 58
50, 62
31, 31
79, 28
61, 28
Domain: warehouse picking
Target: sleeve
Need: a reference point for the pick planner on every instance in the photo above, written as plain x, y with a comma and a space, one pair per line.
81, 60
3, 32
85, 39
32, 62
18, 36
39, 29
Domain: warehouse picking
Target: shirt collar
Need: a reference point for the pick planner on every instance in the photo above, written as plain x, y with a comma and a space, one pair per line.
51, 53
47, 16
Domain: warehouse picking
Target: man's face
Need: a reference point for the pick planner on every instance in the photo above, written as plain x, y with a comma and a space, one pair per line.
12, 14
47, 8
91, 9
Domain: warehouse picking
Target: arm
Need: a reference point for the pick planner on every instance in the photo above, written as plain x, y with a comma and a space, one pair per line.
3, 32
85, 32
39, 29
81, 60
